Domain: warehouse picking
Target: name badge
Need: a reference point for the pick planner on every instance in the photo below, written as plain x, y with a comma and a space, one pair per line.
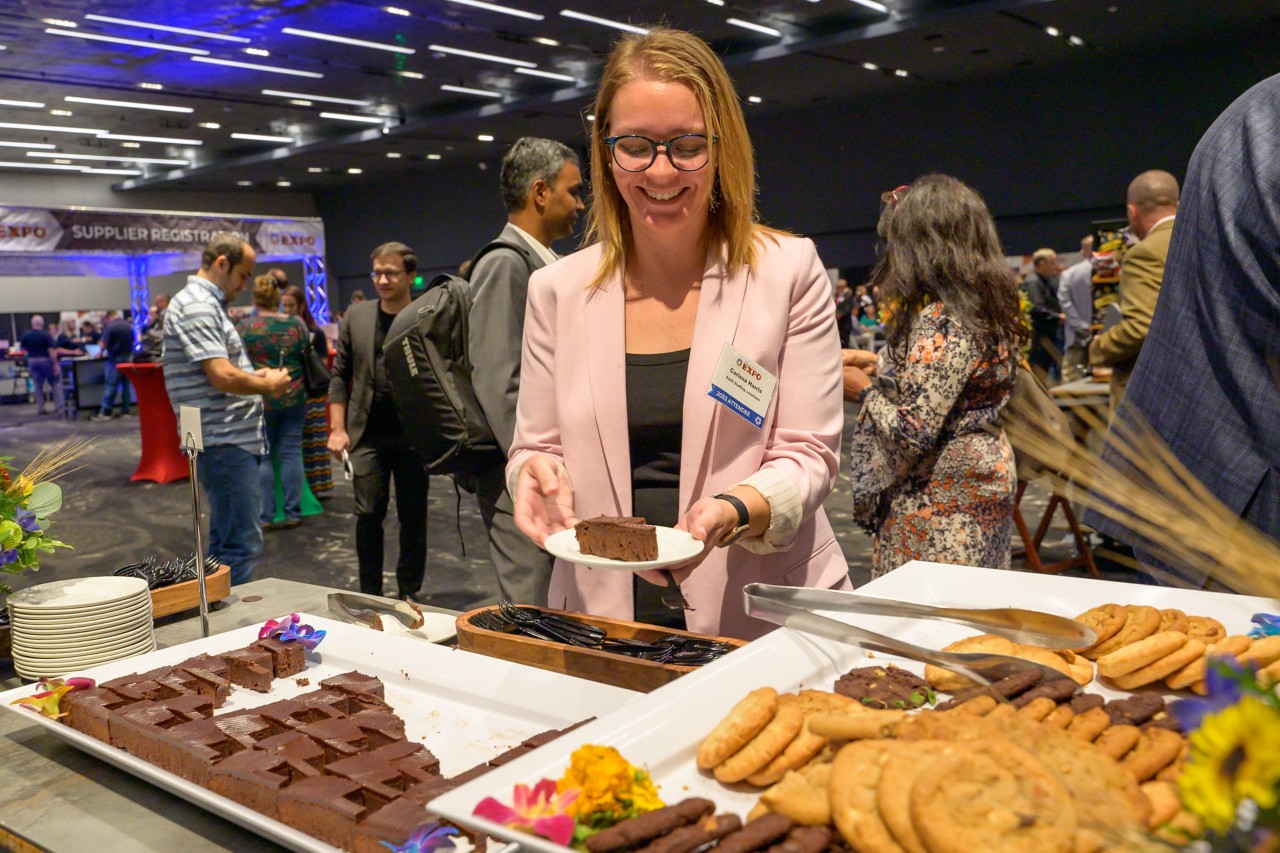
742, 386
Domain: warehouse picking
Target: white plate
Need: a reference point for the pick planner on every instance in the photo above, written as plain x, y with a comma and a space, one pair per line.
662, 730
102, 625
48, 669
465, 708
55, 646
674, 546
436, 627
76, 593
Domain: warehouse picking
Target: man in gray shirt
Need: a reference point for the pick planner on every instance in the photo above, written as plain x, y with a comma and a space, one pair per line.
205, 365
1075, 294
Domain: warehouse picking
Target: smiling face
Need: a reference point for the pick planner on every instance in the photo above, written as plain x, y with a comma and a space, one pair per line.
661, 199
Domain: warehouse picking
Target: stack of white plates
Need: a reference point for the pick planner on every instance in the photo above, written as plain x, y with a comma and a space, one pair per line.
64, 626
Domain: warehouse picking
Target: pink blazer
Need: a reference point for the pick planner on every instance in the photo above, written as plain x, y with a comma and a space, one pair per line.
573, 405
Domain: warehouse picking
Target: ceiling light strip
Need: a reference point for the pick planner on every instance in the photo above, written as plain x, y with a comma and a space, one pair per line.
36, 105
164, 140
532, 72
759, 28
489, 57
463, 90
76, 34
255, 67
280, 93
128, 104
312, 34
502, 10
123, 158
110, 172
48, 146
51, 128
349, 117
11, 165
257, 137
604, 22
874, 6
164, 28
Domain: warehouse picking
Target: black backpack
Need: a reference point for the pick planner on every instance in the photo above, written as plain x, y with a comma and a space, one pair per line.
430, 373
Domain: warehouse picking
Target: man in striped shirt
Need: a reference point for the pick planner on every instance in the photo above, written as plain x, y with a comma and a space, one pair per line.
205, 365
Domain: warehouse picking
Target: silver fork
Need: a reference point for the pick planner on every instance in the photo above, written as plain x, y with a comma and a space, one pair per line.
672, 596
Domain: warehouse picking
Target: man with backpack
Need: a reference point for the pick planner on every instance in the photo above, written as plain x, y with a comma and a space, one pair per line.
542, 191
366, 428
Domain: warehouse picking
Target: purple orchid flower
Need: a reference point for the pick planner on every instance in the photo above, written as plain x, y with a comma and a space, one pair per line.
7, 557
1225, 678
1268, 625
426, 839
290, 628
27, 521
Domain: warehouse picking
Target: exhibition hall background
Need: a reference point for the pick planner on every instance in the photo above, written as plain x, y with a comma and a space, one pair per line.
1050, 150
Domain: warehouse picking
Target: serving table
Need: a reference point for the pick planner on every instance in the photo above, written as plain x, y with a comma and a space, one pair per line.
54, 797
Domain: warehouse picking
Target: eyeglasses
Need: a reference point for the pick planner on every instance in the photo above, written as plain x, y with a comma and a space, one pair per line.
390, 274
892, 196
634, 153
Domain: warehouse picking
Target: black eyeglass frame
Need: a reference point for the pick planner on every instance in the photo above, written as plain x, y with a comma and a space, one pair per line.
611, 141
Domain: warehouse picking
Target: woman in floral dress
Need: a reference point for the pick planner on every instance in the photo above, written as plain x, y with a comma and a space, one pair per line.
274, 339
315, 427
934, 469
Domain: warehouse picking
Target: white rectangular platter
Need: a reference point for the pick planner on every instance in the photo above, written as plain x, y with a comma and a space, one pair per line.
661, 731
465, 708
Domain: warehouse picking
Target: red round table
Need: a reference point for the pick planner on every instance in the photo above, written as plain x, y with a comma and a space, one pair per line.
162, 460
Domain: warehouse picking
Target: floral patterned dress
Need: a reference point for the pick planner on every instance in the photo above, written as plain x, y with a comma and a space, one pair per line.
952, 473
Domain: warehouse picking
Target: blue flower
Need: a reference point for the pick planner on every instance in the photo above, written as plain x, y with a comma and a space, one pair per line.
1268, 625
1226, 679
27, 520
425, 839
7, 557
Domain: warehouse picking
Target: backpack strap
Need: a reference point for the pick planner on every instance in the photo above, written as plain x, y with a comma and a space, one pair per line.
501, 244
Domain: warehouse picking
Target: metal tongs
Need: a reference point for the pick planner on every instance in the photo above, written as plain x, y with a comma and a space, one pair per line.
786, 606
364, 610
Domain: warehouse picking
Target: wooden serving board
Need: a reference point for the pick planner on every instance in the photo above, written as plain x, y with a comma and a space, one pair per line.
591, 664
184, 596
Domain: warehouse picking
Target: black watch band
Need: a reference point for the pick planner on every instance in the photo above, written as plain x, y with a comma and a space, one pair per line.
744, 519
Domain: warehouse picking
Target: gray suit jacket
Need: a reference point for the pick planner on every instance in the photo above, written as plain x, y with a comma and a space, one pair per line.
353, 365
1208, 377
499, 287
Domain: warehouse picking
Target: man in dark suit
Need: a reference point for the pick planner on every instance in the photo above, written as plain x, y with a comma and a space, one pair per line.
1208, 378
542, 191
365, 425
1151, 204
1041, 287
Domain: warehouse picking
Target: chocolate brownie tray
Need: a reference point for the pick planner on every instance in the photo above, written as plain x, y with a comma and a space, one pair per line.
466, 709
662, 730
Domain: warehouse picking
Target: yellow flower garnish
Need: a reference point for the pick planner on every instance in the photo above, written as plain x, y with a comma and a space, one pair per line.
610, 788
23, 486
1235, 755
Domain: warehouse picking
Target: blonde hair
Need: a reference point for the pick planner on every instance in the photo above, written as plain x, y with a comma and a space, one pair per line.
266, 292
676, 56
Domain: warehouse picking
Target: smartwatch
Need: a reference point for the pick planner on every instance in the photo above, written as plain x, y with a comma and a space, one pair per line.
744, 520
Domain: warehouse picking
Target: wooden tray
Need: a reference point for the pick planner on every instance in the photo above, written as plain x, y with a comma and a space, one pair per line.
594, 665
184, 596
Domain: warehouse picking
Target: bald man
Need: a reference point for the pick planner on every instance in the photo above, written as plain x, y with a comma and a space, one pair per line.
1151, 205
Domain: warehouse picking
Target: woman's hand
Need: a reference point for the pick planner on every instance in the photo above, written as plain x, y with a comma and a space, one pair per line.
709, 520
855, 381
543, 498
864, 360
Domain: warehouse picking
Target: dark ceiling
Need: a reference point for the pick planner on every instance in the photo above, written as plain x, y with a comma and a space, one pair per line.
823, 51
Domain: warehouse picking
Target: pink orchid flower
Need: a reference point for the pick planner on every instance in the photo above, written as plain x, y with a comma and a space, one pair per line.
540, 811
47, 701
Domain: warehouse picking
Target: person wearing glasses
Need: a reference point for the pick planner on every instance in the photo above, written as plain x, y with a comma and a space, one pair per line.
641, 350
932, 472
366, 428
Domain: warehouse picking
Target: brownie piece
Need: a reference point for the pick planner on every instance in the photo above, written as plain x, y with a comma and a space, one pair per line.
392, 825
294, 746
292, 713
141, 729
255, 778
327, 808
356, 683
287, 658
89, 711
340, 738
626, 538
249, 667
380, 727
196, 747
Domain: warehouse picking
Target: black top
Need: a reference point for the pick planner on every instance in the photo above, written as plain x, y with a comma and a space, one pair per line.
117, 341
655, 423
383, 421
37, 343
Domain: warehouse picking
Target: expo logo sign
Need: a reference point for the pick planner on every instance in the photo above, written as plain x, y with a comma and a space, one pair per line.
292, 240
21, 232
749, 370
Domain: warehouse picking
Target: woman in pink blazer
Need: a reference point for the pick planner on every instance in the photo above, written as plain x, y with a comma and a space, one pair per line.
622, 341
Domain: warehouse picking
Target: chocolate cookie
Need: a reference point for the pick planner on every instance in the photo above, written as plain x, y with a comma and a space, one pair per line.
885, 687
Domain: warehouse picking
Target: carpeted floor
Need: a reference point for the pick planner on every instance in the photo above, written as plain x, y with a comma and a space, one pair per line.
111, 521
